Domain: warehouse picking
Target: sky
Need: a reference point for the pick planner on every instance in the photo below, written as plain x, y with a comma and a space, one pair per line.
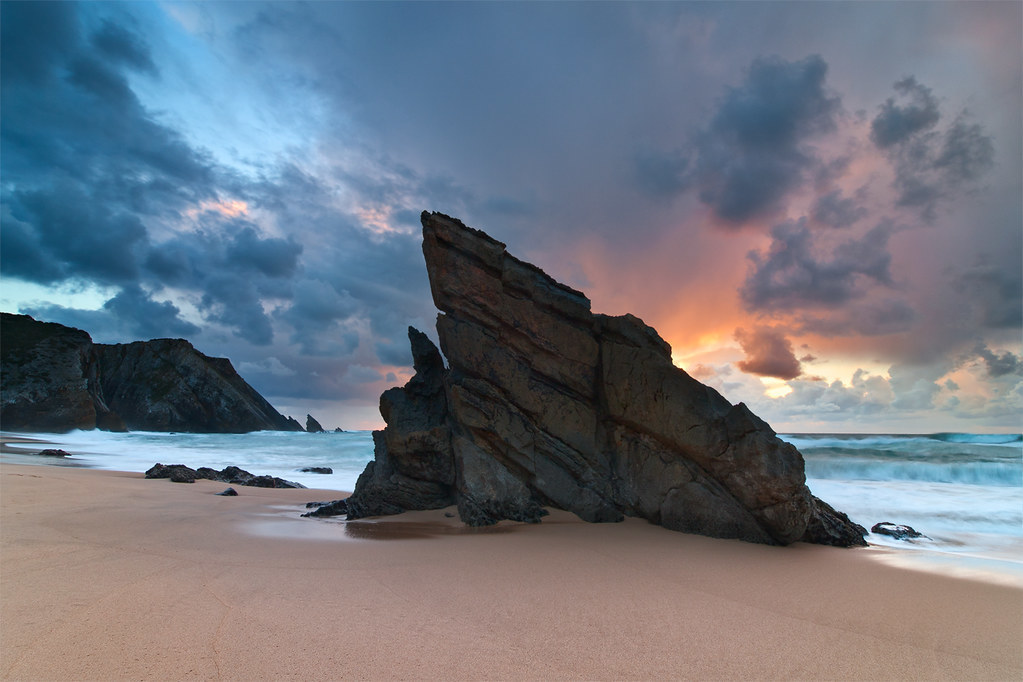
818, 205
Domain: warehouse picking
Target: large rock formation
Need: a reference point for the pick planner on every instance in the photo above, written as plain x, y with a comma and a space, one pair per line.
545, 403
54, 378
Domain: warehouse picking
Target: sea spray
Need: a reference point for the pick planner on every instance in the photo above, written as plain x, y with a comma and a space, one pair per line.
965, 491
276, 453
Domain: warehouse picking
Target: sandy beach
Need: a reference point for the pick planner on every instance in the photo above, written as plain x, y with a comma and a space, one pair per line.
106, 575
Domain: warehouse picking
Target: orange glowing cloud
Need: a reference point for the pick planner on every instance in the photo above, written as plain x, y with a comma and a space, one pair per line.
229, 208
683, 282
377, 219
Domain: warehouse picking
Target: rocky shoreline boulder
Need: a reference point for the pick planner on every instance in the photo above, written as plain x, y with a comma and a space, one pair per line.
179, 473
546, 404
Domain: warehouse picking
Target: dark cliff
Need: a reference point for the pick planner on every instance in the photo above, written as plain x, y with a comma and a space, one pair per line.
54, 378
546, 404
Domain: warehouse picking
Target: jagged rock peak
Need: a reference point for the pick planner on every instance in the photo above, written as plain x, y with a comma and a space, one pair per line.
545, 404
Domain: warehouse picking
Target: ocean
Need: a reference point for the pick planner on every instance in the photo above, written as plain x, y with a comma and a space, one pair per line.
964, 492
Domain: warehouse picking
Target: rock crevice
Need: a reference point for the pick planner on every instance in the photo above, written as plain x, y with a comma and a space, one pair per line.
544, 403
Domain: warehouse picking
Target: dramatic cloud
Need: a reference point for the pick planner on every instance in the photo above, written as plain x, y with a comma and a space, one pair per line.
930, 164
999, 364
148, 318
768, 353
896, 124
131, 314
996, 293
791, 276
76, 236
85, 165
869, 318
250, 176
755, 150
834, 210
119, 45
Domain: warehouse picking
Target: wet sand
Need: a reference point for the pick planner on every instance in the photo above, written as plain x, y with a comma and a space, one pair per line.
105, 576
18, 444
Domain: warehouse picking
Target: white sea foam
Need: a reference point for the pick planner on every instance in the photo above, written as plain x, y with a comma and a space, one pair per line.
277, 453
964, 491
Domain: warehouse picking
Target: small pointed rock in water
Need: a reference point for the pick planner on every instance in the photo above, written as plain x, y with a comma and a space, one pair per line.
896, 531
229, 492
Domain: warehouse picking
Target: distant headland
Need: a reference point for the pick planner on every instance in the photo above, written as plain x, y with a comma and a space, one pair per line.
54, 378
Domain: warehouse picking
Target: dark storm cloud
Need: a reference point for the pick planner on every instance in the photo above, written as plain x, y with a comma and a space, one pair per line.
966, 152
78, 237
233, 267
122, 46
997, 364
930, 164
869, 318
272, 257
755, 150
316, 314
89, 172
790, 276
895, 123
131, 314
834, 210
78, 115
234, 302
35, 38
84, 164
390, 304
995, 292
149, 318
22, 254
768, 353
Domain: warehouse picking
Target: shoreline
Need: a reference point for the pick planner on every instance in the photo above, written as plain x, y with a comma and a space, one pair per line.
106, 575
998, 563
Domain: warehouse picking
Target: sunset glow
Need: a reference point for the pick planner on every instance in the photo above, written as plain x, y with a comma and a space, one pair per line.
821, 219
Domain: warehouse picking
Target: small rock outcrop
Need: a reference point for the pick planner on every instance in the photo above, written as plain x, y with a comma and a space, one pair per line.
546, 404
53, 453
54, 378
311, 425
322, 509
179, 473
896, 530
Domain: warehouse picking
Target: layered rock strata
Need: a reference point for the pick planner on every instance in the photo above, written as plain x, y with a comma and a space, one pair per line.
546, 404
54, 378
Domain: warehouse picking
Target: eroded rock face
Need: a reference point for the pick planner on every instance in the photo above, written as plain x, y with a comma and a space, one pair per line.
413, 467
544, 403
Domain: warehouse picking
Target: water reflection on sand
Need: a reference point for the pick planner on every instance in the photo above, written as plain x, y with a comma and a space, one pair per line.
287, 522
